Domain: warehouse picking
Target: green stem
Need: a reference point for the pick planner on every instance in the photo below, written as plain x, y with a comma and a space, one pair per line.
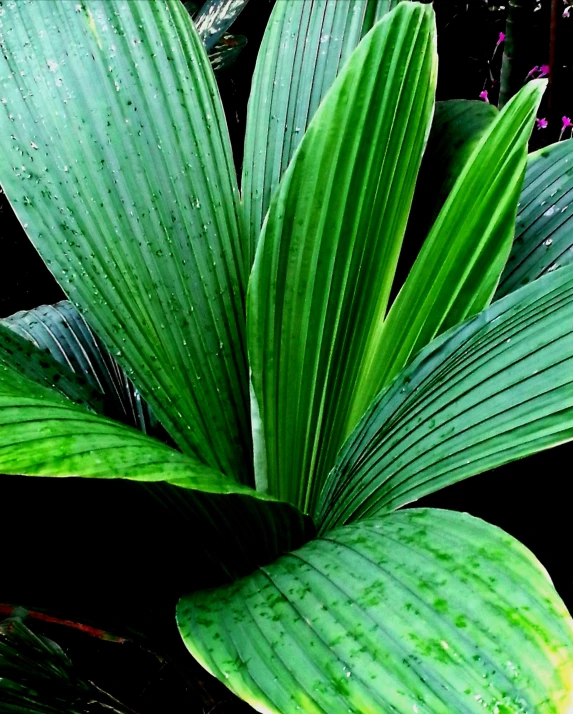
516, 57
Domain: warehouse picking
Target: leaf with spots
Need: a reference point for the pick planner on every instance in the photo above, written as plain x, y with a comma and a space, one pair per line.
421, 611
215, 17
116, 159
543, 233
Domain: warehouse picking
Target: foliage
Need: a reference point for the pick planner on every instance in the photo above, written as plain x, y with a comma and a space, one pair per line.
278, 304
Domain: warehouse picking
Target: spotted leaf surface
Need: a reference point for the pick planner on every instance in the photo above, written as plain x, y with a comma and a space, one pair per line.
116, 159
423, 611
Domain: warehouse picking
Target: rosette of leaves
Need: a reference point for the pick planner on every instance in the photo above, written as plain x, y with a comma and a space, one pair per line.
306, 407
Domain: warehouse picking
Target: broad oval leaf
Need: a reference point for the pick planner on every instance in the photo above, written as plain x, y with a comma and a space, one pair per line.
115, 156
304, 47
543, 233
423, 611
459, 265
335, 226
495, 389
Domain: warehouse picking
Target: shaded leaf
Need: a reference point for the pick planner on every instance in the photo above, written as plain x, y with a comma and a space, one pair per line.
216, 16
141, 229
226, 51
304, 47
459, 265
419, 611
334, 226
543, 233
495, 389
64, 333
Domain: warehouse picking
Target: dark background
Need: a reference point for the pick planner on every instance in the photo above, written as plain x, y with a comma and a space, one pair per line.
106, 553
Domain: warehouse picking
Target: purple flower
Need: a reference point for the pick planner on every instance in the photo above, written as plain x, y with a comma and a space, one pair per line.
542, 123
532, 72
483, 95
566, 122
501, 38
543, 70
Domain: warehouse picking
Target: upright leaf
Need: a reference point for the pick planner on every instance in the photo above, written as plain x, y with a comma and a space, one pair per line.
116, 159
495, 389
422, 611
215, 17
458, 268
335, 226
304, 47
544, 229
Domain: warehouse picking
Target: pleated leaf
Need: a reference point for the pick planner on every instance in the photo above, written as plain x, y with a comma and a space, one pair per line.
544, 230
215, 17
460, 263
422, 611
17, 353
326, 258
457, 127
496, 389
63, 331
304, 47
115, 156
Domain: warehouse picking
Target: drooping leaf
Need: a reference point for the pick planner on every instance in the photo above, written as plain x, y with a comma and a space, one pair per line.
116, 159
63, 331
457, 127
335, 226
304, 47
16, 352
495, 389
215, 17
544, 230
421, 611
460, 263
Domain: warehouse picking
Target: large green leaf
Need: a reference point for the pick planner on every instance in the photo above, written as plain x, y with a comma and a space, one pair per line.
115, 156
303, 50
495, 389
544, 230
64, 333
335, 226
458, 268
423, 611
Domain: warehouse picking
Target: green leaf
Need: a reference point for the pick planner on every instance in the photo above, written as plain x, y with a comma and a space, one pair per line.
304, 47
64, 333
458, 268
226, 51
215, 17
335, 226
544, 226
116, 158
495, 389
17, 353
422, 611
42, 433
457, 127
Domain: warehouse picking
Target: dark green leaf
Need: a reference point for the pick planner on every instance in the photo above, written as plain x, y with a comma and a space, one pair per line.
116, 158
544, 230
495, 389
215, 17
226, 51
424, 611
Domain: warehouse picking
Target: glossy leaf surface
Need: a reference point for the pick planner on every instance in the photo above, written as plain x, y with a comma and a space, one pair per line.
335, 226
495, 389
421, 611
304, 47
